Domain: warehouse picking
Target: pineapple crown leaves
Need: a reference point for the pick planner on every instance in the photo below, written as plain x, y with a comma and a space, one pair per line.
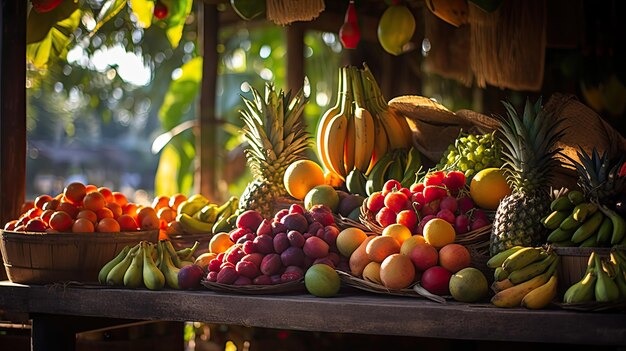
529, 145
598, 174
274, 130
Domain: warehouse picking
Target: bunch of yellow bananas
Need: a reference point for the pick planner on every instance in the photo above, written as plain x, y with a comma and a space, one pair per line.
361, 127
524, 276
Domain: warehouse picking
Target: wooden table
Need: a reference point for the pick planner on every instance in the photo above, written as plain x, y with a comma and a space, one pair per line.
54, 306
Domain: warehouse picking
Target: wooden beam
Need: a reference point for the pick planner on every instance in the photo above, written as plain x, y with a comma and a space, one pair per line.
295, 57
207, 145
12, 108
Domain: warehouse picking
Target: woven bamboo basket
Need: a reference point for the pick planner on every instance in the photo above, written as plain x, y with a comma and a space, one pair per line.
41, 258
283, 288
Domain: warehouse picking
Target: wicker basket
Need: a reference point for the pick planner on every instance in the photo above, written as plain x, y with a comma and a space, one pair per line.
295, 286
40, 258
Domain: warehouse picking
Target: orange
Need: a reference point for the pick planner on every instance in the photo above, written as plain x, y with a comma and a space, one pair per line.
175, 200
380, 247
61, 221
166, 214
89, 214
349, 239
94, 201
220, 242
397, 272
302, 176
410, 243
398, 232
127, 223
75, 192
439, 233
68, 208
107, 193
333, 179
104, 213
160, 201
108, 225
41, 200
83, 225
488, 187
115, 208
90, 188
120, 198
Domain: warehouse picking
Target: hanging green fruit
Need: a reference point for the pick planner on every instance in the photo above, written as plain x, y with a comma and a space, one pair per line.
395, 28
349, 33
248, 9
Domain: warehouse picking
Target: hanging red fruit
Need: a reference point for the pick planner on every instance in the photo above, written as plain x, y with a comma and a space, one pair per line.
349, 33
42, 6
160, 10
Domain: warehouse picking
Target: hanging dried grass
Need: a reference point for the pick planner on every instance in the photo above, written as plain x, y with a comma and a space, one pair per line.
508, 45
283, 12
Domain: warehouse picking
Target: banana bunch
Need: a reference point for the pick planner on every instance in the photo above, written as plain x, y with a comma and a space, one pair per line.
524, 276
604, 280
576, 222
356, 132
400, 164
147, 265
197, 215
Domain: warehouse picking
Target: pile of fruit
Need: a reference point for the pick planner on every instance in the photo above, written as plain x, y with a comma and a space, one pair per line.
397, 259
439, 195
276, 250
152, 266
604, 280
525, 276
84, 209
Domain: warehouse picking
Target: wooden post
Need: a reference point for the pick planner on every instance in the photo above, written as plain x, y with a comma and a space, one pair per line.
295, 57
12, 108
207, 145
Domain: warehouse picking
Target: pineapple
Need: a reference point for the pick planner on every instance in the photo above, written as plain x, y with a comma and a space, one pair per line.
528, 151
598, 176
277, 137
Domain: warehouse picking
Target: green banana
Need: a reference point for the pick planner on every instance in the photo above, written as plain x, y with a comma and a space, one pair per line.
227, 208
193, 226
498, 259
588, 228
522, 258
532, 270
224, 224
561, 204
582, 291
171, 251
116, 274
558, 235
591, 241
605, 231
207, 214
619, 225
355, 182
376, 178
555, 218
104, 271
169, 270
413, 165
570, 223
159, 253
606, 290
133, 278
187, 253
192, 205
500, 274
396, 170
583, 210
575, 197
153, 278
620, 276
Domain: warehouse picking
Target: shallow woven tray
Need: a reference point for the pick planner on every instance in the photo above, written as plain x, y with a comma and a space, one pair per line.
345, 222
594, 306
290, 287
361, 284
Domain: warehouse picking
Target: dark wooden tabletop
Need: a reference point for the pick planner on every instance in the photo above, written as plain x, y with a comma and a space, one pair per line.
350, 312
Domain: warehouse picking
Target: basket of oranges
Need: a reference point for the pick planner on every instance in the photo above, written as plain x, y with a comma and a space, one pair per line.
71, 236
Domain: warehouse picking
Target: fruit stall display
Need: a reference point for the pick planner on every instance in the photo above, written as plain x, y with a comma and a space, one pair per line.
375, 214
